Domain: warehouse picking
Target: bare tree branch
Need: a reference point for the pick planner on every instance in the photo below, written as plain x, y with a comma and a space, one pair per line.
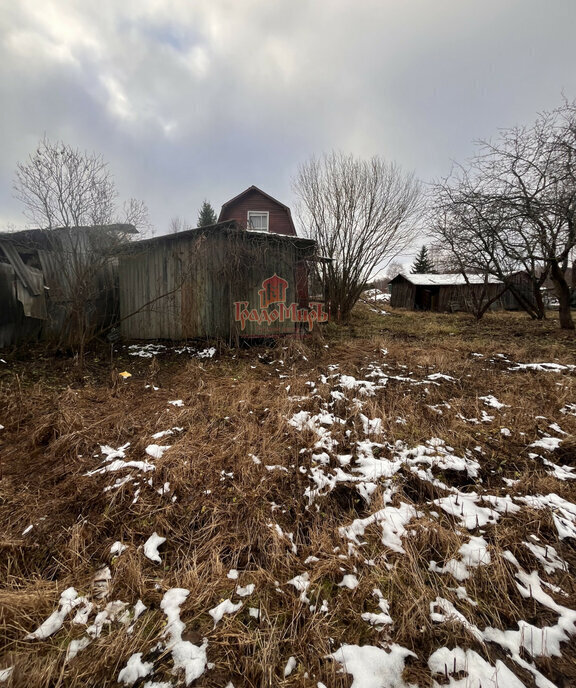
362, 213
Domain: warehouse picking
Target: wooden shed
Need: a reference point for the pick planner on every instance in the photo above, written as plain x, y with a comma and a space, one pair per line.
58, 285
218, 282
443, 292
520, 286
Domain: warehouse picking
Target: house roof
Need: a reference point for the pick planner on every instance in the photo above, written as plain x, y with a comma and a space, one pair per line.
444, 280
250, 189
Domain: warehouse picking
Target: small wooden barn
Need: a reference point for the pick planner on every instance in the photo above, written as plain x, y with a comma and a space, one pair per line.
219, 282
443, 292
520, 286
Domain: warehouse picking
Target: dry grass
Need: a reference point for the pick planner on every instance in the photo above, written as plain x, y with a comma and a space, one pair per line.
236, 407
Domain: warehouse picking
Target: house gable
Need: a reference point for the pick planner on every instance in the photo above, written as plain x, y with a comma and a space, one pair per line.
254, 200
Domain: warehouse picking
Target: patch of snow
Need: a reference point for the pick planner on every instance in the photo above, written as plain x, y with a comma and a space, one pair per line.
563, 512
68, 600
151, 547
547, 556
544, 367
225, 607
441, 376
75, 646
135, 669
478, 671
348, 581
246, 591
290, 666
373, 667
548, 443
491, 400
156, 450
301, 583
191, 658
117, 548
392, 521
473, 553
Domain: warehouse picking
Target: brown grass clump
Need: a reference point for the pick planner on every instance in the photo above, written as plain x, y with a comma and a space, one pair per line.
241, 488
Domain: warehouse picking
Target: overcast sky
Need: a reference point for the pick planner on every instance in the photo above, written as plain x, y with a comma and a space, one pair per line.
194, 99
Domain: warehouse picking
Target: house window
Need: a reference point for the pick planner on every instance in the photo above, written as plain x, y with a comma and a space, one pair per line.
258, 220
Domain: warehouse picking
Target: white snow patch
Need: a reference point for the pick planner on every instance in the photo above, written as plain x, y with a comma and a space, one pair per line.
544, 367
373, 667
478, 671
301, 583
490, 400
191, 658
225, 607
473, 553
68, 600
151, 547
348, 581
548, 443
547, 556
392, 521
246, 591
117, 548
135, 669
290, 666
156, 450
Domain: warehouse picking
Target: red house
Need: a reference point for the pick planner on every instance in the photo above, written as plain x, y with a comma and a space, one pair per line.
258, 211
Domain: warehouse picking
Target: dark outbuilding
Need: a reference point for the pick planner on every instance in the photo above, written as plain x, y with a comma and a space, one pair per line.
444, 292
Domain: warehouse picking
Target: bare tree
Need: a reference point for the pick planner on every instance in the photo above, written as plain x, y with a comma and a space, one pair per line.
177, 224
394, 268
361, 212
61, 186
476, 237
71, 195
514, 207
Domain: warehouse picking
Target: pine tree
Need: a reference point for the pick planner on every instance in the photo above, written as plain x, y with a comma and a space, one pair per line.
422, 264
206, 216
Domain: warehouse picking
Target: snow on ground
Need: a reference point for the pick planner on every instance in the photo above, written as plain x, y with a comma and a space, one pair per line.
151, 350
373, 667
342, 445
151, 547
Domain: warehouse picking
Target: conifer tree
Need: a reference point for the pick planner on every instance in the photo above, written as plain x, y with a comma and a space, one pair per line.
206, 216
422, 264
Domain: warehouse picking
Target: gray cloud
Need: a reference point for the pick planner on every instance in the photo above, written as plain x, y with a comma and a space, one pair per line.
193, 100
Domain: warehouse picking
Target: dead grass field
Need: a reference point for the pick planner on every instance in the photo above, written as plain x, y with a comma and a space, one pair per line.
320, 471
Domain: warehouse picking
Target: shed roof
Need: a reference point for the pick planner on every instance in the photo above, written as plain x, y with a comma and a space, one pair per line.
444, 280
42, 238
231, 227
